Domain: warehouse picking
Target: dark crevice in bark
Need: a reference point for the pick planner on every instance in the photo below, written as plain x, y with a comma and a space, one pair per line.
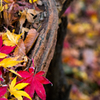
60, 89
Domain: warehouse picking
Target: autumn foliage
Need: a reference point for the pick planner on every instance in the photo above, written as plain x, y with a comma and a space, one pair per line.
19, 25
81, 52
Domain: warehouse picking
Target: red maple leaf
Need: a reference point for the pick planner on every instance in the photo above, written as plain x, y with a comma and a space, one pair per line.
3, 90
36, 83
5, 49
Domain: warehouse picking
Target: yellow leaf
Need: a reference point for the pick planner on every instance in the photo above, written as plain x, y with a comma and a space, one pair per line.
14, 72
13, 83
84, 76
6, 6
15, 90
32, 1
9, 62
72, 16
8, 1
4, 36
23, 93
13, 37
94, 19
1, 7
18, 96
8, 43
12, 99
10, 39
20, 86
3, 55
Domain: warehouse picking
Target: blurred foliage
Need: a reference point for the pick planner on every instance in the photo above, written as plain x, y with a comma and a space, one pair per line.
81, 50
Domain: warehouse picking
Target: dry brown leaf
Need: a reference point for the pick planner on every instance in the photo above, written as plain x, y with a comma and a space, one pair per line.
27, 14
29, 18
32, 11
30, 39
20, 49
23, 31
30, 14
7, 17
22, 18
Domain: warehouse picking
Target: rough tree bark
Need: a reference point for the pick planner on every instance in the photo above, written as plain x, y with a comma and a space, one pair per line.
44, 48
42, 51
60, 89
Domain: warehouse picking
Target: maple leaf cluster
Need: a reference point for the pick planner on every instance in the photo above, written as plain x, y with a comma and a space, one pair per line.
18, 32
31, 82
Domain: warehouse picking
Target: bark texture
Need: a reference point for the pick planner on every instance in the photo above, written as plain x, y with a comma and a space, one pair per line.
60, 89
44, 48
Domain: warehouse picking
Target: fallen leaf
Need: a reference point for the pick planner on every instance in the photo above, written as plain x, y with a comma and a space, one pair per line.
16, 90
32, 1
8, 1
20, 49
3, 55
30, 39
3, 90
9, 62
11, 39
1, 6
5, 49
36, 81
22, 18
14, 72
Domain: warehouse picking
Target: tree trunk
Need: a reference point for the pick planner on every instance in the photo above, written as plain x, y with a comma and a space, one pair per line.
60, 89
43, 51
44, 44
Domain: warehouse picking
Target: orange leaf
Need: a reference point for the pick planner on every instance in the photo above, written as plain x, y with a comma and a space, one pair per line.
30, 39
